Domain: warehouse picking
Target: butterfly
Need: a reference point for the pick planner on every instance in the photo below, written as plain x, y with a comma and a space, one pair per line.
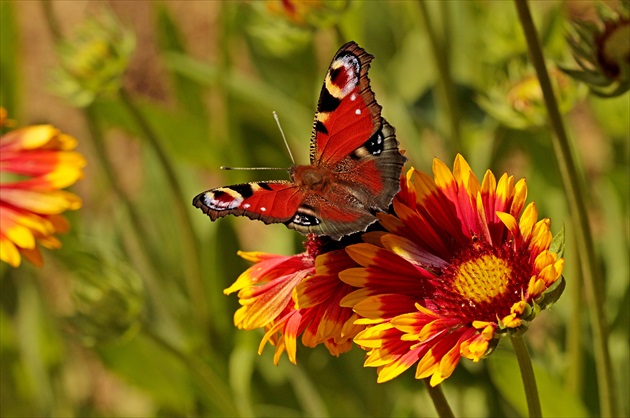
355, 163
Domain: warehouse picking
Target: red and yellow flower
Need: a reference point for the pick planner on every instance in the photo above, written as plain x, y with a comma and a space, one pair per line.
296, 295
460, 264
40, 162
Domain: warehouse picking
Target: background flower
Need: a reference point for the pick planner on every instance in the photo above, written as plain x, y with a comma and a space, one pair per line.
457, 269
41, 162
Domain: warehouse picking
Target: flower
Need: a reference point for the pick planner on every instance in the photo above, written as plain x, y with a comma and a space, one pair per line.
297, 295
602, 51
108, 296
516, 100
40, 161
314, 13
461, 264
282, 27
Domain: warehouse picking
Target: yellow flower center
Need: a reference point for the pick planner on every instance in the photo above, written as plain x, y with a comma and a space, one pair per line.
482, 279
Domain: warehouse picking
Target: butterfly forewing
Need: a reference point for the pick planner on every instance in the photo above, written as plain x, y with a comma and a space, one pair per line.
347, 113
268, 201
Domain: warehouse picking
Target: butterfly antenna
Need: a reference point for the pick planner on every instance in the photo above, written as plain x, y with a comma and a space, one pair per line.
275, 116
224, 167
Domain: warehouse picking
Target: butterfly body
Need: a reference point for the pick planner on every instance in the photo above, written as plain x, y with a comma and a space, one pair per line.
354, 169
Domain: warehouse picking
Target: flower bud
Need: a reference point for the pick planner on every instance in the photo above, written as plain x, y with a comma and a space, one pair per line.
94, 60
602, 51
517, 101
109, 299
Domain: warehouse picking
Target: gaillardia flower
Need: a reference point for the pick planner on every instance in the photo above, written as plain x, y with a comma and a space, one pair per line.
297, 295
461, 263
282, 27
38, 161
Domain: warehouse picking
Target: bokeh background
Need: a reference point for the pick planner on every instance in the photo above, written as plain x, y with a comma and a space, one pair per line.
119, 322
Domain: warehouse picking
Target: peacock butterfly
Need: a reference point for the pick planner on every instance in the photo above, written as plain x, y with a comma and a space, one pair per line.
355, 163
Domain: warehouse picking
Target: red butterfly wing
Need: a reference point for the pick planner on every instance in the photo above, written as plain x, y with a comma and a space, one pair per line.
281, 202
347, 113
270, 201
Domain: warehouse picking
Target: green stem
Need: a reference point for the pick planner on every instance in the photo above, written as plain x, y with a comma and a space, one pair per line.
439, 400
447, 87
190, 249
574, 377
143, 255
53, 24
213, 385
527, 374
576, 201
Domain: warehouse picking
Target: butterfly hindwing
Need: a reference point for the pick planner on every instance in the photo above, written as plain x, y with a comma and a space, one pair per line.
347, 201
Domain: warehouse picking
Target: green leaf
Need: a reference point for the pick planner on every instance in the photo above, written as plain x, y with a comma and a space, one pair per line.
555, 400
241, 366
558, 243
260, 97
136, 362
184, 135
552, 294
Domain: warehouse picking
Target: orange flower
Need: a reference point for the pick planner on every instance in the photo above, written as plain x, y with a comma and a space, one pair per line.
40, 163
455, 270
297, 295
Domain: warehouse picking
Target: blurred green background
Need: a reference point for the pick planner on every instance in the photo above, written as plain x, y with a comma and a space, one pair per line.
119, 322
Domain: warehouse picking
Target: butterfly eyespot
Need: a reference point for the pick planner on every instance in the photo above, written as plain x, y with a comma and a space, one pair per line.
373, 146
305, 220
221, 199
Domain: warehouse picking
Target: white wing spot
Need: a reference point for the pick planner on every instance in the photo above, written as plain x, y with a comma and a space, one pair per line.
353, 97
358, 111
217, 204
246, 206
263, 209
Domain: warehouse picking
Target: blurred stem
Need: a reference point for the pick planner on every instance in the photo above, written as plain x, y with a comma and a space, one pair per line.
341, 39
527, 374
190, 248
574, 378
446, 85
53, 25
143, 256
213, 385
583, 236
439, 400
